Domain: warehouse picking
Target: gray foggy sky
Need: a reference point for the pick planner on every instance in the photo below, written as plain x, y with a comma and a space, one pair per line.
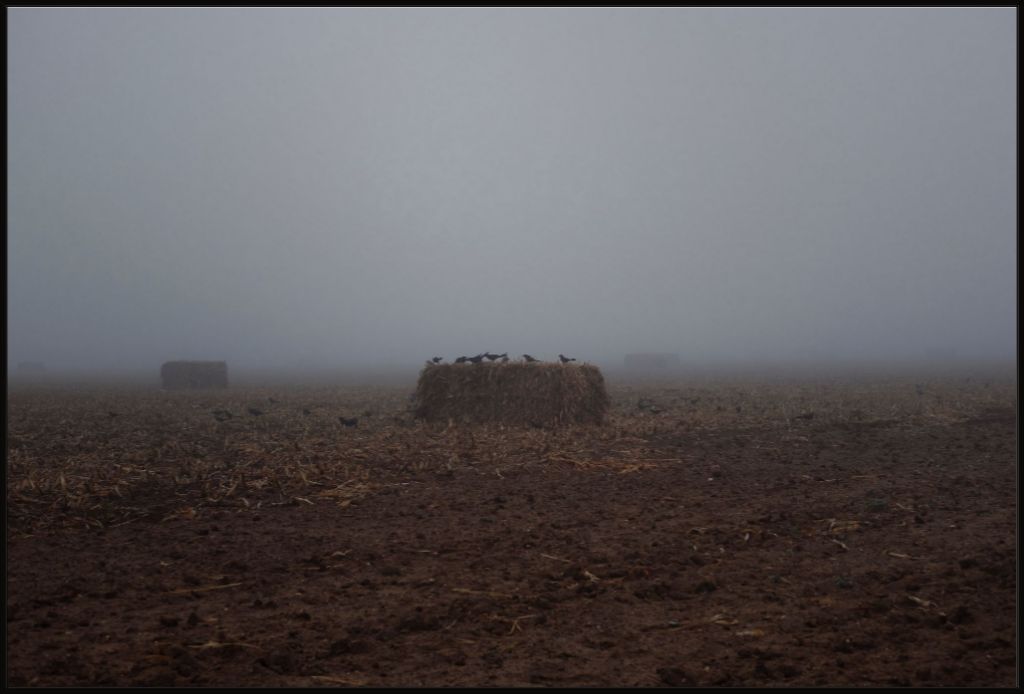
284, 187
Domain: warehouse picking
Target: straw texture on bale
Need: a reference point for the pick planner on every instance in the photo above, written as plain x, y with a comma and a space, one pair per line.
524, 394
194, 374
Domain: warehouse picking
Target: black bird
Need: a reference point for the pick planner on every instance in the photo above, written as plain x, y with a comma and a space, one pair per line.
354, 421
305, 411
462, 360
528, 358
477, 359
491, 357
255, 412
437, 360
564, 359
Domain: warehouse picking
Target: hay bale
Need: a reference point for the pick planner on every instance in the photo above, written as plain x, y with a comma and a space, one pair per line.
652, 360
518, 394
194, 374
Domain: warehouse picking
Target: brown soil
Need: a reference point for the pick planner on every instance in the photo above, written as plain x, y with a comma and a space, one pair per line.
797, 551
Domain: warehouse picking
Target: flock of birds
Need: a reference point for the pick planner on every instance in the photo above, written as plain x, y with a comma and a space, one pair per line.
495, 357
222, 415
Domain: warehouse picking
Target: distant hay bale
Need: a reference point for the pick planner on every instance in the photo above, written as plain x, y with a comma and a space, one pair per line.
518, 394
653, 360
194, 374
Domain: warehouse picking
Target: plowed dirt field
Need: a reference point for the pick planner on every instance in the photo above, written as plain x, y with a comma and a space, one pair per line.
713, 534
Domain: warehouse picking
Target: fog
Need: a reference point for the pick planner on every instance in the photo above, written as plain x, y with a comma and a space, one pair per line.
308, 188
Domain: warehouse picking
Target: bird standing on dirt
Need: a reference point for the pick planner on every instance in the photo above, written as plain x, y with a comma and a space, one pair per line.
564, 359
349, 422
528, 358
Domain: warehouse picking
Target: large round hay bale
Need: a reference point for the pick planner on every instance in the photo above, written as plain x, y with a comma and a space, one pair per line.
523, 394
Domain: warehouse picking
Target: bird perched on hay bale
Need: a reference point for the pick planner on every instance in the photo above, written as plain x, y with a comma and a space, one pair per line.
462, 360
564, 359
477, 359
437, 360
528, 358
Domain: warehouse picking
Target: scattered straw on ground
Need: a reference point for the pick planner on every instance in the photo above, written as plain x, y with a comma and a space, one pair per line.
98, 458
